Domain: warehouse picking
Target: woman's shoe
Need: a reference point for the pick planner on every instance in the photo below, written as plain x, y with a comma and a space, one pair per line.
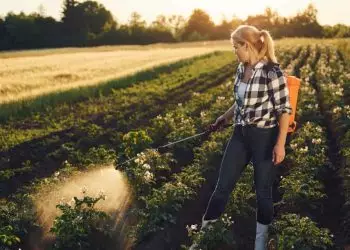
261, 236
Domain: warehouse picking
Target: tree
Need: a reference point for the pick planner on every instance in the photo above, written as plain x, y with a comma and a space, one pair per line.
95, 18
137, 29
21, 30
305, 24
160, 30
85, 21
3, 35
41, 10
338, 30
69, 12
136, 21
160, 23
30, 31
70, 21
200, 23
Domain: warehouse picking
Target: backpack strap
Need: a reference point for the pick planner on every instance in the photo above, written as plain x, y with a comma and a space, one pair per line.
268, 67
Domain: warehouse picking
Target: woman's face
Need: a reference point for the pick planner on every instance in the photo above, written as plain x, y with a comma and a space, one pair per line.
241, 51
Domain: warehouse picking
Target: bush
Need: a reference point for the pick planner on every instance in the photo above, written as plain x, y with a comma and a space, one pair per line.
81, 226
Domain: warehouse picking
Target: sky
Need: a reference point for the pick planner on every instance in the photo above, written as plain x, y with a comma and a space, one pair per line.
329, 12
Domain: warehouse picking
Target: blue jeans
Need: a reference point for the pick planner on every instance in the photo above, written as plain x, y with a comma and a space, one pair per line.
246, 143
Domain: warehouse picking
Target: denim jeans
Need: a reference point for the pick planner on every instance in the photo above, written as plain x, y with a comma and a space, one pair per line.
247, 143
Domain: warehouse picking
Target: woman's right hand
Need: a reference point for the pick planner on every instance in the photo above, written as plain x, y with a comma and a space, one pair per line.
220, 121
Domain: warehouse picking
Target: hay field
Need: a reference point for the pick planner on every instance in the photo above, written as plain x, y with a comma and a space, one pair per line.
28, 74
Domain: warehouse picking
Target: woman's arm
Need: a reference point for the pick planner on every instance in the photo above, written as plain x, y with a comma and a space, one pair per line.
283, 129
280, 97
230, 112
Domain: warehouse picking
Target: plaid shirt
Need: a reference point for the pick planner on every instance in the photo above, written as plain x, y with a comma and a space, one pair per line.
266, 96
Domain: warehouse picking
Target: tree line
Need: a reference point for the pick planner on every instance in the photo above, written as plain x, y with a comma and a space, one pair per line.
89, 23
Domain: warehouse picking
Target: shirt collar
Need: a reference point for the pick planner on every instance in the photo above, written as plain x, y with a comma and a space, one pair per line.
259, 65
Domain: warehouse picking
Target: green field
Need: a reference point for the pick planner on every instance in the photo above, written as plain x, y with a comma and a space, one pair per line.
66, 142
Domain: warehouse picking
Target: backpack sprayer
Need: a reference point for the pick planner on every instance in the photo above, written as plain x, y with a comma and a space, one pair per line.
293, 84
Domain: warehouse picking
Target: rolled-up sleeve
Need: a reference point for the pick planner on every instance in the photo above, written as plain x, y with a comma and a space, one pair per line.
277, 85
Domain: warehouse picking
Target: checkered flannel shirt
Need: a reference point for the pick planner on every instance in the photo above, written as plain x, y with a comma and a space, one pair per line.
266, 96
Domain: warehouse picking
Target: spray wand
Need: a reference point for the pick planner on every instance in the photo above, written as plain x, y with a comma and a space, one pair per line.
210, 129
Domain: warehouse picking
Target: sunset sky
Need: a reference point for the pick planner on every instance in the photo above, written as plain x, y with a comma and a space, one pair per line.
329, 12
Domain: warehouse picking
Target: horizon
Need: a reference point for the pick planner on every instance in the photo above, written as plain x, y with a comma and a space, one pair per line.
217, 10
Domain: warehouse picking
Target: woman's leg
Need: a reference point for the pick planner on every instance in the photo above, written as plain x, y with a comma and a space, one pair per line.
236, 157
262, 142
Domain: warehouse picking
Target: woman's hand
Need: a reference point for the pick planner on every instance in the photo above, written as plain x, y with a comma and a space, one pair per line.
220, 121
221, 118
278, 154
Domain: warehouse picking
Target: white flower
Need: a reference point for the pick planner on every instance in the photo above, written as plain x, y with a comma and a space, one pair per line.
316, 141
71, 202
194, 227
148, 176
336, 110
221, 98
146, 166
339, 92
57, 174
304, 150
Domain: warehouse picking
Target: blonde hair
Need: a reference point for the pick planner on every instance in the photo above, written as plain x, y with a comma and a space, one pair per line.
252, 36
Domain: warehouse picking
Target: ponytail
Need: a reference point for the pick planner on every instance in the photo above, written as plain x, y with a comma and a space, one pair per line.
261, 48
268, 47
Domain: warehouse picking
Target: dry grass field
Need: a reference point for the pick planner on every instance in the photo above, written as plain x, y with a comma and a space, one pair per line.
30, 74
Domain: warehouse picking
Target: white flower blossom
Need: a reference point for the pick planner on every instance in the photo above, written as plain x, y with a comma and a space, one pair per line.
148, 176
316, 141
146, 166
304, 150
221, 98
336, 110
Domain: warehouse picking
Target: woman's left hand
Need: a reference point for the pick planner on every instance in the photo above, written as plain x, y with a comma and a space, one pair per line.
278, 154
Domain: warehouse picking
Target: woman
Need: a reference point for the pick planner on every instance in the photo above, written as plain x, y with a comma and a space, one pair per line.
261, 115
